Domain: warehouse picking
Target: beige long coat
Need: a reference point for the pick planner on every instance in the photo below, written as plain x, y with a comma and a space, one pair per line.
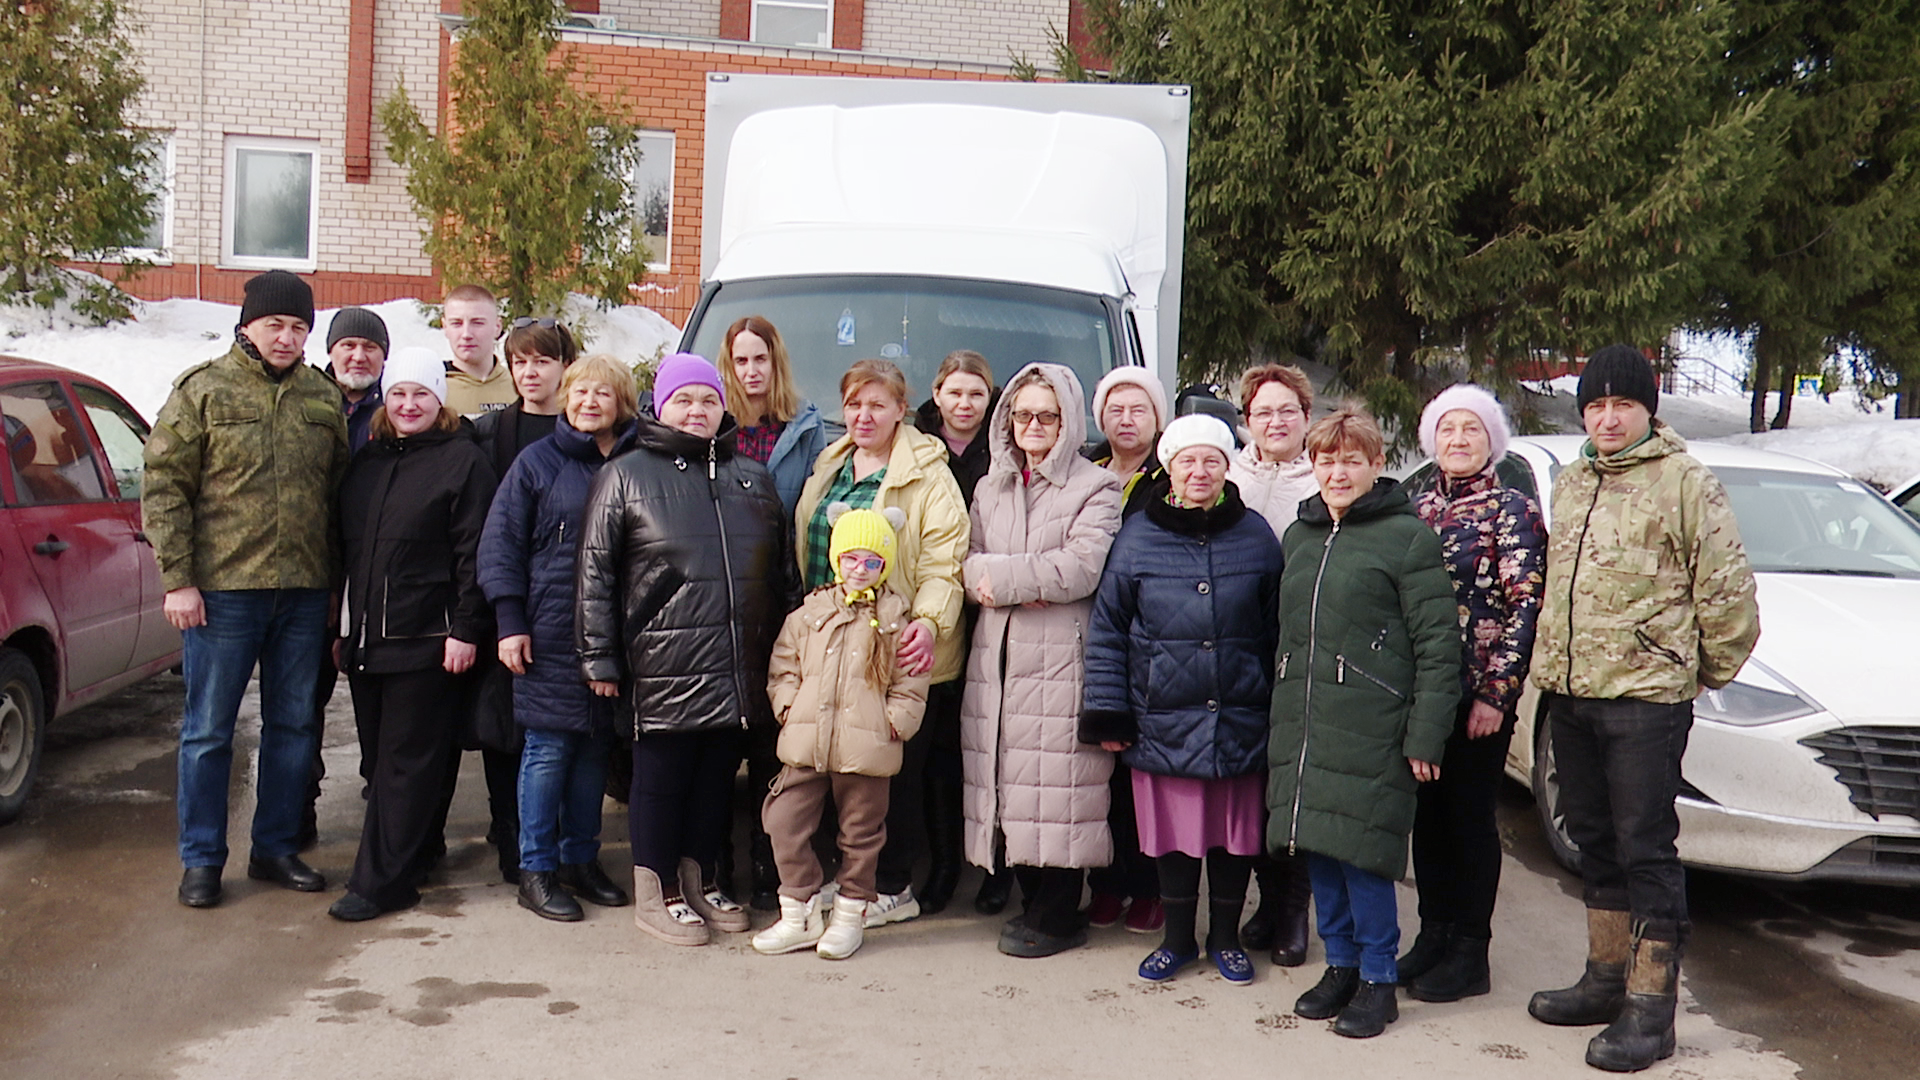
1039, 539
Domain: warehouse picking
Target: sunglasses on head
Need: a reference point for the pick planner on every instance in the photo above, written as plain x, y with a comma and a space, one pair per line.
525, 321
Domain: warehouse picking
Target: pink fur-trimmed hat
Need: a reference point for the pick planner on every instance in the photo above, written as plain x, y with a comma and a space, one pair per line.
1476, 401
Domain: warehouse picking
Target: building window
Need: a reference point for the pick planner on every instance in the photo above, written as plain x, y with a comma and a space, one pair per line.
793, 22
157, 179
653, 196
269, 214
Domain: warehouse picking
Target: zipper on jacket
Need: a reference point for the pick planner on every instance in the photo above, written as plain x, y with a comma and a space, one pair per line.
726, 564
1306, 710
1284, 657
1340, 676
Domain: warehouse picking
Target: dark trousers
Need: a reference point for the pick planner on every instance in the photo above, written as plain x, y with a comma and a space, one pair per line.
1456, 842
1050, 898
682, 788
907, 798
1132, 873
1619, 770
408, 720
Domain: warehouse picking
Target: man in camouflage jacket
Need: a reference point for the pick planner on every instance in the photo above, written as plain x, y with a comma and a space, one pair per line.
1648, 598
241, 472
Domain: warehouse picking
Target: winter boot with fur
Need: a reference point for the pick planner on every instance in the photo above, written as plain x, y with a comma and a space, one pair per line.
1644, 1032
711, 901
1602, 990
651, 914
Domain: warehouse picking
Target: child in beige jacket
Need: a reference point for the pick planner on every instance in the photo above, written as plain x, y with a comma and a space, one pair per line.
845, 705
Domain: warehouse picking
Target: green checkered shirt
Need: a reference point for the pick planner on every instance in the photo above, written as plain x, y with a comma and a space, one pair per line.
857, 494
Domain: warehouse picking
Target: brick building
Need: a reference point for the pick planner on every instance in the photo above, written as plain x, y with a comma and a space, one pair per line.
264, 114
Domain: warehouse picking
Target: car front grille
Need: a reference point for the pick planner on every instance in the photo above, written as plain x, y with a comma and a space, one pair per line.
1880, 766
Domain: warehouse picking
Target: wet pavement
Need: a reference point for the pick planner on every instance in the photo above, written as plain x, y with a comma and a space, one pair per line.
102, 973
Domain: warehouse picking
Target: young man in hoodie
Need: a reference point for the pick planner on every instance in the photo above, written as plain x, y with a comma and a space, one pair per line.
1649, 598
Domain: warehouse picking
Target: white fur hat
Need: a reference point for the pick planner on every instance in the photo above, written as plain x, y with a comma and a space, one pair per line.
1474, 400
1196, 429
416, 364
1131, 375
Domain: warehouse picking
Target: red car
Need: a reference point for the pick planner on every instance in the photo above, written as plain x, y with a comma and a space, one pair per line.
80, 589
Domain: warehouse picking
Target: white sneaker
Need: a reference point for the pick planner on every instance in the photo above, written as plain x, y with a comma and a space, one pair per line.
800, 925
846, 931
893, 908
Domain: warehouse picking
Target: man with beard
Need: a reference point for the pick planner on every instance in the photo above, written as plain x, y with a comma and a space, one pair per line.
357, 347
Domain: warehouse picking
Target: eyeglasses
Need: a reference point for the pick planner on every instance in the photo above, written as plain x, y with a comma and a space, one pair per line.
1261, 416
1023, 417
525, 321
872, 564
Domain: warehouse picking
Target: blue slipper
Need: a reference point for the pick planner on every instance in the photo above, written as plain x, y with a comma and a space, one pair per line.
1163, 964
1234, 965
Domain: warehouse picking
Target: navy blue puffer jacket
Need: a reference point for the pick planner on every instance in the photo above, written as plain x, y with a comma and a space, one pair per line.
527, 566
1181, 641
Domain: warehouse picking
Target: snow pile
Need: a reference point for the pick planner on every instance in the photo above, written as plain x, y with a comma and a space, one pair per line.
1881, 454
140, 358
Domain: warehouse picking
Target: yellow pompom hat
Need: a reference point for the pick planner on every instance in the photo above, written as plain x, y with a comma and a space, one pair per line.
866, 530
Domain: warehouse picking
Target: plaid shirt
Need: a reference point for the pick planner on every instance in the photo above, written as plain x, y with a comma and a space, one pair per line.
757, 442
858, 495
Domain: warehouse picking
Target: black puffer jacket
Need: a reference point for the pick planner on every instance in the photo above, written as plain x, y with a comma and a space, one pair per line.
971, 464
411, 514
686, 571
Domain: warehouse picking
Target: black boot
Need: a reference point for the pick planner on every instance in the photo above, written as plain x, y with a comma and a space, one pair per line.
997, 887
766, 875
1462, 973
943, 845
543, 896
1601, 992
1643, 1033
1330, 995
1263, 926
1429, 948
1374, 1006
1295, 890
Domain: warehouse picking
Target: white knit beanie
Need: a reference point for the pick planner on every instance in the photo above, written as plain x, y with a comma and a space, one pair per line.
1131, 375
1196, 429
1476, 401
416, 364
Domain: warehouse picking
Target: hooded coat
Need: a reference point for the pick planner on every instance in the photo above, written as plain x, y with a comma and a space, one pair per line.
527, 558
684, 576
1368, 677
1039, 537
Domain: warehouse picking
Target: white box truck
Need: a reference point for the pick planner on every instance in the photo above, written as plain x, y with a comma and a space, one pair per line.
906, 218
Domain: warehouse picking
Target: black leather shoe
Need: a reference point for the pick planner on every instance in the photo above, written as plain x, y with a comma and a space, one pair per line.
1331, 994
200, 886
1290, 941
540, 894
354, 908
995, 891
1374, 1006
286, 871
590, 882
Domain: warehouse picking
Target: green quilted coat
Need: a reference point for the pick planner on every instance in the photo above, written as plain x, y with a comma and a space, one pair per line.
1368, 675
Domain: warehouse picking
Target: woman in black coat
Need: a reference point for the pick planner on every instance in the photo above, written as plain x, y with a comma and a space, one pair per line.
412, 508
685, 574
1179, 679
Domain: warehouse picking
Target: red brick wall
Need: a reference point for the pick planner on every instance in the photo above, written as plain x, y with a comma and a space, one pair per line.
736, 19
331, 288
849, 24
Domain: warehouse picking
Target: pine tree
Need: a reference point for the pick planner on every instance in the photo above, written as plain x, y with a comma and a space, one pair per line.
526, 183
75, 170
1418, 191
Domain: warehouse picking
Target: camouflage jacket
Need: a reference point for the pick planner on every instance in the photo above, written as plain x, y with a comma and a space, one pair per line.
1649, 594
242, 470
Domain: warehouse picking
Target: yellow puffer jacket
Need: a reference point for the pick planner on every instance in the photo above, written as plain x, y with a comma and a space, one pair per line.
831, 719
1649, 594
932, 542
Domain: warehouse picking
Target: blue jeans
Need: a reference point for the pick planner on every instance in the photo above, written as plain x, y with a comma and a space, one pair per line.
284, 631
563, 777
1359, 918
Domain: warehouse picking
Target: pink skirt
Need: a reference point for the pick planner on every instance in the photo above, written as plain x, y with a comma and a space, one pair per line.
1178, 813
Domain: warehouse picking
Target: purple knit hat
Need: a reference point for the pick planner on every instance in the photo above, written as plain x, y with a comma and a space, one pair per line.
1476, 401
684, 369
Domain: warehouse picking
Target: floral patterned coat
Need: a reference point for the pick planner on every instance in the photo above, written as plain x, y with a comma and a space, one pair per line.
1495, 549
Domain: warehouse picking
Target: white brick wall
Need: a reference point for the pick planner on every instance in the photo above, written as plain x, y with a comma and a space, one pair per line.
280, 70
980, 31
687, 18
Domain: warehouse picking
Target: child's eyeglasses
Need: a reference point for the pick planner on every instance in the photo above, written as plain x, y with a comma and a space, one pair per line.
872, 564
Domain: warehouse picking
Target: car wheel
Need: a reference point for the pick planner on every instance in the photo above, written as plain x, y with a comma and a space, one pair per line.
1546, 795
23, 726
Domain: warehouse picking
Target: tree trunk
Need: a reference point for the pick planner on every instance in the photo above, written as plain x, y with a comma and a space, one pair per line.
1757, 414
1789, 386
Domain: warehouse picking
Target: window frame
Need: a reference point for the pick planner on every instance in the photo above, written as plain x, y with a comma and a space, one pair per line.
162, 255
658, 261
230, 155
109, 487
753, 22
127, 414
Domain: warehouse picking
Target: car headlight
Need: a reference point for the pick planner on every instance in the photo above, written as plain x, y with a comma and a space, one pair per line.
1758, 696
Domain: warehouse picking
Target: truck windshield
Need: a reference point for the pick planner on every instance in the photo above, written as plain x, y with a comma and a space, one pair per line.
830, 322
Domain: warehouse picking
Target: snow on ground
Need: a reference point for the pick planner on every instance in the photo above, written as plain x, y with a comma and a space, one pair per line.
141, 357
1882, 454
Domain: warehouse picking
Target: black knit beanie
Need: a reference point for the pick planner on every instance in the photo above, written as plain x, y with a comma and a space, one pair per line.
1619, 371
277, 292
357, 322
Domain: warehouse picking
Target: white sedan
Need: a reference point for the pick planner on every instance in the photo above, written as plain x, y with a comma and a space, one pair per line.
1808, 765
